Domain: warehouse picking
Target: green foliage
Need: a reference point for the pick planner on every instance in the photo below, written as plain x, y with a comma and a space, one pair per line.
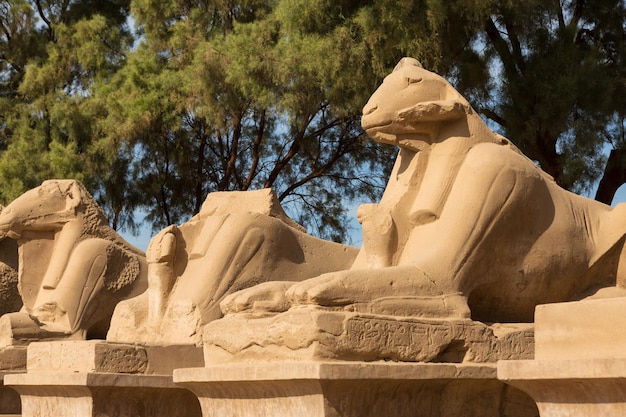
242, 96
212, 95
50, 111
556, 75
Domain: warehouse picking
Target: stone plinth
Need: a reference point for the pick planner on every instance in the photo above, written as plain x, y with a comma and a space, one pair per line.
100, 394
353, 389
580, 360
309, 333
572, 388
97, 378
12, 360
9, 399
587, 329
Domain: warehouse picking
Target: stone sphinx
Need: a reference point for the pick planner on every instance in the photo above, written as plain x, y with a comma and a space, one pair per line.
468, 230
237, 240
73, 267
10, 300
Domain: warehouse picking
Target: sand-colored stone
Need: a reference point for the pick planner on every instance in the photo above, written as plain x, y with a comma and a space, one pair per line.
102, 395
93, 356
10, 300
580, 360
99, 378
308, 334
238, 240
73, 267
468, 228
582, 330
12, 360
10, 404
571, 388
353, 389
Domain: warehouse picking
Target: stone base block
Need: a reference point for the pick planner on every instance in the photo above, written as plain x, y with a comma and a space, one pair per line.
102, 356
353, 389
316, 334
586, 329
9, 399
572, 388
580, 360
103, 379
12, 360
102, 395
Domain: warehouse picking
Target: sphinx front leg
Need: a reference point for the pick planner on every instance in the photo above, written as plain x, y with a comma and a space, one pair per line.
160, 257
400, 290
265, 298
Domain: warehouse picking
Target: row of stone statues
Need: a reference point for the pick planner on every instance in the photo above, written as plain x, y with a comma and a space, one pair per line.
75, 270
469, 232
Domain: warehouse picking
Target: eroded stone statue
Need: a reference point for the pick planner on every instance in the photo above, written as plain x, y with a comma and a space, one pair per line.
73, 267
10, 300
238, 240
468, 229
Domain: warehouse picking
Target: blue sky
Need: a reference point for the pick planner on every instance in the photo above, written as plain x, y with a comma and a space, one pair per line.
143, 239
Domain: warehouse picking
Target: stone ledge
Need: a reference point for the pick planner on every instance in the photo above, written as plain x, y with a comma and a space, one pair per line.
334, 371
581, 330
87, 379
101, 356
9, 399
601, 368
353, 389
573, 388
83, 394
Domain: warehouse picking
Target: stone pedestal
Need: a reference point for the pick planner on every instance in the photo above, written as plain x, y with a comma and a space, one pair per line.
10, 404
353, 389
96, 378
12, 360
572, 388
580, 360
310, 333
102, 395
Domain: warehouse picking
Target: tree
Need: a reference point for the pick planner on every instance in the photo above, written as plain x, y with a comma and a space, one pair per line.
236, 95
550, 75
54, 55
239, 96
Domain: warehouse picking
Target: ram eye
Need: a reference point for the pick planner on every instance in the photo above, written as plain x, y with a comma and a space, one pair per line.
413, 80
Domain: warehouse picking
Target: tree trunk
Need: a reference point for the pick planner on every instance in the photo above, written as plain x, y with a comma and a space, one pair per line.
614, 176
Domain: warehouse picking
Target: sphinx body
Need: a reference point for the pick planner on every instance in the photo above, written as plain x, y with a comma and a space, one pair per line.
237, 240
73, 267
467, 227
10, 299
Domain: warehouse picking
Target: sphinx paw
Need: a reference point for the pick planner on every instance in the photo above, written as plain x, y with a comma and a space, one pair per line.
268, 297
332, 289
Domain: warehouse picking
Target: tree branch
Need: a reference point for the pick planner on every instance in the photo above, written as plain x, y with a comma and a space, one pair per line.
255, 151
614, 176
501, 47
45, 19
199, 192
515, 43
281, 164
232, 160
492, 115
342, 149
577, 14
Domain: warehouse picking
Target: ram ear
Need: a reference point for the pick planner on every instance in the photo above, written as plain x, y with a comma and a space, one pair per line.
434, 111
